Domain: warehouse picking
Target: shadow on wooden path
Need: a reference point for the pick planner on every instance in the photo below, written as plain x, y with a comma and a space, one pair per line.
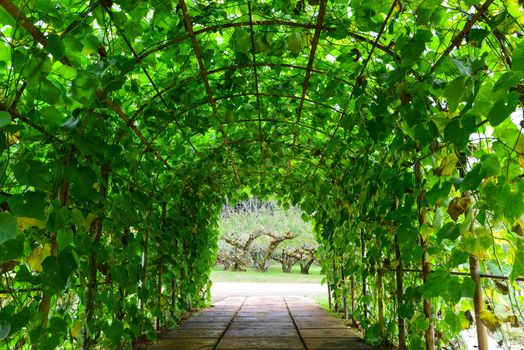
244, 323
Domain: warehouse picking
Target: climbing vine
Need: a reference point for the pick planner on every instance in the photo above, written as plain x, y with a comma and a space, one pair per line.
397, 127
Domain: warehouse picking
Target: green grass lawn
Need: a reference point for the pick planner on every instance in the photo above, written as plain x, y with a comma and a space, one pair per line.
273, 275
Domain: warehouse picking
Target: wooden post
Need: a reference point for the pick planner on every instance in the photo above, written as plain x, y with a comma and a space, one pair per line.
173, 295
364, 287
353, 305
335, 294
96, 232
482, 334
330, 303
399, 292
344, 290
426, 267
161, 265
145, 255
63, 197
400, 284
474, 267
159, 289
380, 298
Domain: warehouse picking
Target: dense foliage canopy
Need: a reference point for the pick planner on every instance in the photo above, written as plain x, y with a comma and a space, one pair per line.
396, 125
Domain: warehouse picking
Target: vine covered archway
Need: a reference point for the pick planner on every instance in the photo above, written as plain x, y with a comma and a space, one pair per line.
396, 126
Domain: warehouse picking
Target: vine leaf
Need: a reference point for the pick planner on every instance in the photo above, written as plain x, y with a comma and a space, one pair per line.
447, 165
503, 107
490, 320
8, 227
37, 256
5, 328
55, 46
517, 57
5, 118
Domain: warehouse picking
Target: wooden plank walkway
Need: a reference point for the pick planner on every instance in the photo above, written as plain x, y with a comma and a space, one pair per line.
249, 323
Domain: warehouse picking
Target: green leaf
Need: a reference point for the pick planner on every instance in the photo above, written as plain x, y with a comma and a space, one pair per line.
473, 179
114, 331
503, 108
5, 118
477, 244
52, 281
240, 41
12, 249
517, 57
56, 271
448, 231
55, 46
33, 173
8, 227
46, 92
490, 165
458, 130
455, 92
64, 238
436, 283
29, 204
5, 328
438, 193
296, 42
518, 264
414, 47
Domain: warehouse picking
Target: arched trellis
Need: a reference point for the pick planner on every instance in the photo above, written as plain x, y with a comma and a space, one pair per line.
355, 178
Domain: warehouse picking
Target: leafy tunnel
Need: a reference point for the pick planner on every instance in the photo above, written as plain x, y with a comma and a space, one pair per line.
396, 126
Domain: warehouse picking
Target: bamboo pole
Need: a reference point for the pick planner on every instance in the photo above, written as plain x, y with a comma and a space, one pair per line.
400, 284
159, 289
482, 334
330, 303
161, 263
145, 257
426, 267
353, 301
63, 196
173, 295
474, 267
380, 297
335, 294
399, 293
344, 290
96, 232
364, 286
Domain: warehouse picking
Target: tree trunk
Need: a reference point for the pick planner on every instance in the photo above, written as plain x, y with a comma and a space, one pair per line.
305, 266
286, 267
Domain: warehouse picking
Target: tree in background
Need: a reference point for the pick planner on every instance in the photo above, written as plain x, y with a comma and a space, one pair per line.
257, 232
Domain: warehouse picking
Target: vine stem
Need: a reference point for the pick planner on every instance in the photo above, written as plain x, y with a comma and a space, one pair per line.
457, 41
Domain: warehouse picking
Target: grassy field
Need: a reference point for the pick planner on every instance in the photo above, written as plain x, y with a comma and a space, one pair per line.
273, 275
